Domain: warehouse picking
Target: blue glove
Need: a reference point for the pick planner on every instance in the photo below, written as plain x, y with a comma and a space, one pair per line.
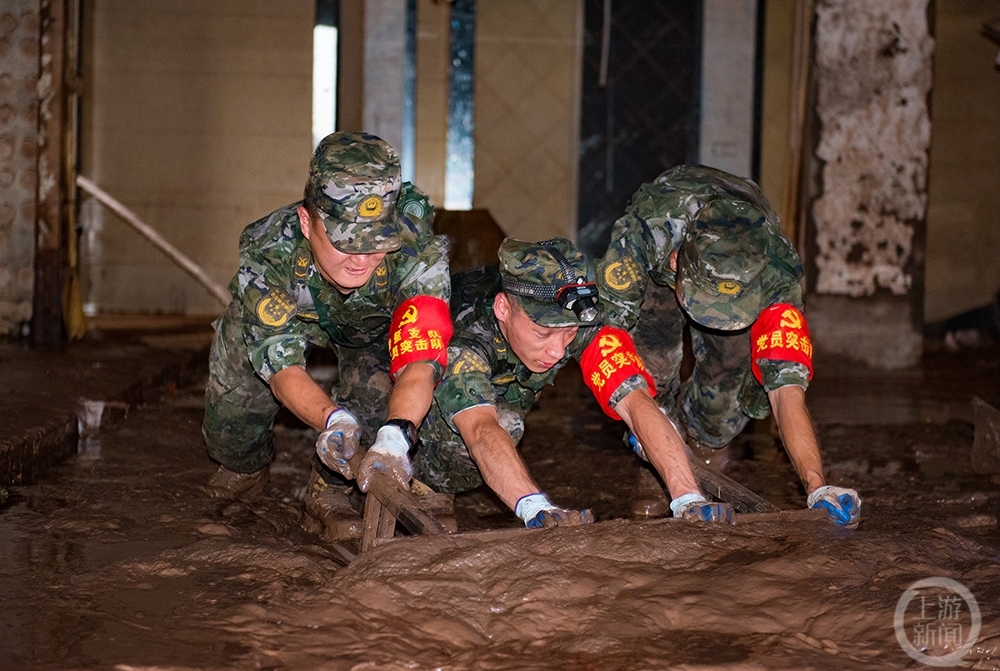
339, 442
537, 511
842, 505
697, 507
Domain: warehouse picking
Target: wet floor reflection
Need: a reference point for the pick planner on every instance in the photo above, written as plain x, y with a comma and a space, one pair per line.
118, 559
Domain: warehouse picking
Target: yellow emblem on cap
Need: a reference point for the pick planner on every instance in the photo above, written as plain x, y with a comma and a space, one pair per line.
729, 288
370, 206
275, 308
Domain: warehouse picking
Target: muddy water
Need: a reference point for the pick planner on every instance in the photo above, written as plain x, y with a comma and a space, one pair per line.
117, 560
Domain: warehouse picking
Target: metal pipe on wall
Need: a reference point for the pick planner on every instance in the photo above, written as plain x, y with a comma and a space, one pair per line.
158, 241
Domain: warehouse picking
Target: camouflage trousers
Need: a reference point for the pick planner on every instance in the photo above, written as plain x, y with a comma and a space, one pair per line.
442, 460
240, 408
722, 395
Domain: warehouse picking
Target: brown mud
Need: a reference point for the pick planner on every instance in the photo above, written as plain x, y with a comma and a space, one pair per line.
117, 560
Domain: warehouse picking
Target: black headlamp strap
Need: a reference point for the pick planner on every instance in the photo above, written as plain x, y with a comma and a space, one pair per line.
564, 265
547, 292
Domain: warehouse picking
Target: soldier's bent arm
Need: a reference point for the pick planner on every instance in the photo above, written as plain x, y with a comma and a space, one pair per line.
495, 454
663, 445
295, 390
412, 392
788, 403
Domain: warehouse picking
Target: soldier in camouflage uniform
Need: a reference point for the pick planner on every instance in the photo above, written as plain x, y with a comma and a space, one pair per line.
701, 247
333, 270
515, 327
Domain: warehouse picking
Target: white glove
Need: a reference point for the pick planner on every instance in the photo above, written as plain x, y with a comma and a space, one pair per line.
387, 454
843, 505
537, 511
339, 442
697, 507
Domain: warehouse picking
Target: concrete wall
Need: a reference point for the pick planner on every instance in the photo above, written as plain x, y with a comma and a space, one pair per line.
527, 115
198, 118
19, 31
963, 214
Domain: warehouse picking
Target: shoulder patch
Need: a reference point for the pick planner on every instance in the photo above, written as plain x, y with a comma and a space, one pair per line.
468, 363
381, 276
300, 268
275, 308
622, 274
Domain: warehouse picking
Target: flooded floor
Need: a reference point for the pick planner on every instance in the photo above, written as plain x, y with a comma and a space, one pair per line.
117, 560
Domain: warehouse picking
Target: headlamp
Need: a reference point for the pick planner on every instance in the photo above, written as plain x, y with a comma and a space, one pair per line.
581, 298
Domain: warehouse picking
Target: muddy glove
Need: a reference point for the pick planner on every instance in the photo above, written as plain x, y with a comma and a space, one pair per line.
842, 505
388, 454
697, 507
339, 442
537, 511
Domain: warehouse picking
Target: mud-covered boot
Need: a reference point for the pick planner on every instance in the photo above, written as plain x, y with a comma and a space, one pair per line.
227, 484
328, 510
648, 499
716, 458
440, 506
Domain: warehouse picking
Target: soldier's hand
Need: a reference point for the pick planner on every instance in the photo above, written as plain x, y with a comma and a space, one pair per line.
537, 511
697, 507
842, 505
339, 442
389, 455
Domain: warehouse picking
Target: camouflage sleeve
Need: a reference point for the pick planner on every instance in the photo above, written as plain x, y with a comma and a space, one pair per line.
275, 339
783, 373
423, 271
466, 384
621, 277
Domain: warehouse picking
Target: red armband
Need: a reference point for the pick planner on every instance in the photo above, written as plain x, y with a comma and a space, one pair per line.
420, 331
781, 333
608, 361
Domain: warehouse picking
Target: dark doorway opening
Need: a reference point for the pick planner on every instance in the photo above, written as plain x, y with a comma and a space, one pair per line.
640, 106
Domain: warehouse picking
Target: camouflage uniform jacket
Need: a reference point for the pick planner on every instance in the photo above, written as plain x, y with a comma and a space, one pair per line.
653, 226
482, 368
288, 306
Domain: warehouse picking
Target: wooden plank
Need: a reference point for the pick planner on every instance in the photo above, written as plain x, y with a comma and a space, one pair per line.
793, 515
373, 518
726, 489
404, 505
784, 516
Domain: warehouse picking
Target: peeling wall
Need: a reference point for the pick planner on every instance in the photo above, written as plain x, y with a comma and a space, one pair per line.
873, 70
19, 62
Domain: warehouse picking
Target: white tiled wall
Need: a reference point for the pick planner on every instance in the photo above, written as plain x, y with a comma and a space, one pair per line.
198, 118
526, 118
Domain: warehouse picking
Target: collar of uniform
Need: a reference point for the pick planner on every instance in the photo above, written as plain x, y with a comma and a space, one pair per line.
500, 344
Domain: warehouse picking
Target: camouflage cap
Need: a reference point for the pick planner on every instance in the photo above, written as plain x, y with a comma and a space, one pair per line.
354, 181
552, 279
721, 261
